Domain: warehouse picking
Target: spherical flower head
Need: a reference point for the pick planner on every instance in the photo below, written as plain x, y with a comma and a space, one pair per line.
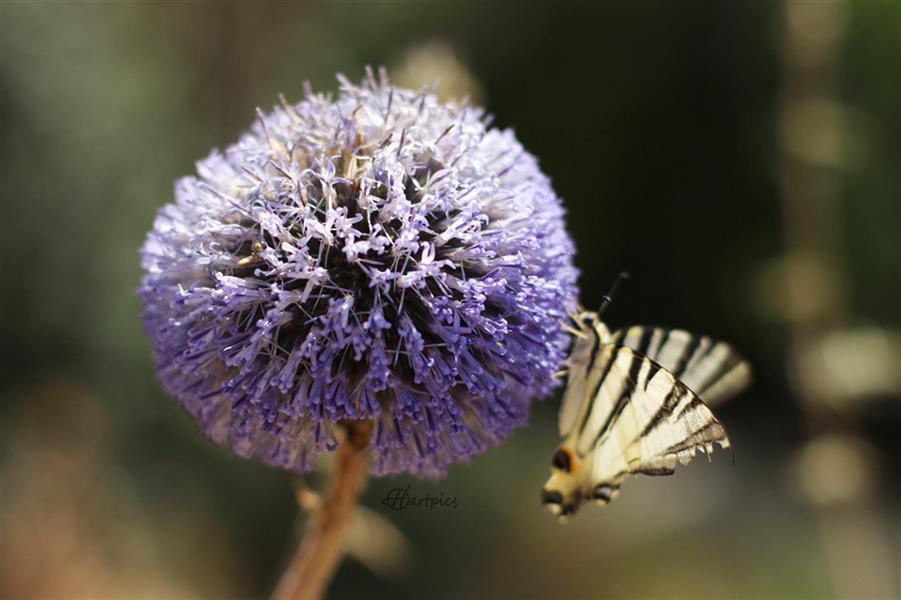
379, 257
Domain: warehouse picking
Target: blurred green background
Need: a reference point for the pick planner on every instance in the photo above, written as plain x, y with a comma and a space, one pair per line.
740, 159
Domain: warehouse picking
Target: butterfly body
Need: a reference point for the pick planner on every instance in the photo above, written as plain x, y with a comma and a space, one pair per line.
633, 405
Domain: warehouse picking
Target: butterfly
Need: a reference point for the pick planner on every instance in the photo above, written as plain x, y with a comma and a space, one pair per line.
633, 405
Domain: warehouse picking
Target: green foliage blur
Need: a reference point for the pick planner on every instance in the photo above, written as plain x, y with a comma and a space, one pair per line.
662, 127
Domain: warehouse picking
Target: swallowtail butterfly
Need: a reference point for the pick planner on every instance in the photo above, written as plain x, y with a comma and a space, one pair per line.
633, 405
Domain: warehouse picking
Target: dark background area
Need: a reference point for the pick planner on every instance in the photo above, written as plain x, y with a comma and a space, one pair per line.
741, 160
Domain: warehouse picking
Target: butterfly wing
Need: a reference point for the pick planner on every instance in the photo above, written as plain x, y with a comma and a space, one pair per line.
644, 421
711, 369
583, 371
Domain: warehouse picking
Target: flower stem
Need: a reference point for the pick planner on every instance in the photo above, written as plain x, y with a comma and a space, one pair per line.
322, 546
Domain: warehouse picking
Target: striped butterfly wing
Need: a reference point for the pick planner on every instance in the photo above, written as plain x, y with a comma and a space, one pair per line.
643, 420
582, 378
711, 369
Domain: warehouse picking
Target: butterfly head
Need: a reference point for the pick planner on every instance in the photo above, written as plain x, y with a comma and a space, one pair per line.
569, 486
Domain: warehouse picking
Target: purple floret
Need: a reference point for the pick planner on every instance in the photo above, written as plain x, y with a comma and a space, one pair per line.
382, 256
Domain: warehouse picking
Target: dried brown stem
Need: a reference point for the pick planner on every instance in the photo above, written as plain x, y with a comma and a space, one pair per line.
322, 546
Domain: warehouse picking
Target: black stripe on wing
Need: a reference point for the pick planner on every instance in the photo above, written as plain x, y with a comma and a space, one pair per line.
625, 395
672, 399
712, 432
687, 354
632, 382
608, 354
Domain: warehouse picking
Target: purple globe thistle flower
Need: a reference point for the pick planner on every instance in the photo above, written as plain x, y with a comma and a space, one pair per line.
382, 256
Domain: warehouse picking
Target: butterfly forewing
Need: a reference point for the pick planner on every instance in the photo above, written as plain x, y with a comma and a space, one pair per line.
711, 369
655, 421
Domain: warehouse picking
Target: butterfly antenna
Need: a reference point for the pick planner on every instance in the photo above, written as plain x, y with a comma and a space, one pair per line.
608, 299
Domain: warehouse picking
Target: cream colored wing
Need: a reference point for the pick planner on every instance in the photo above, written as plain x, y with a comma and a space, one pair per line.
582, 377
644, 421
711, 369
